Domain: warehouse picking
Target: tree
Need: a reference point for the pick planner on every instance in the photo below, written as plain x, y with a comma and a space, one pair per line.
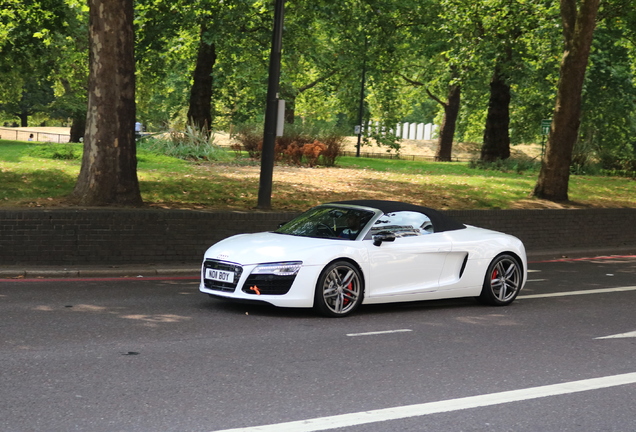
579, 21
35, 98
445, 60
197, 60
109, 166
200, 111
504, 36
166, 37
608, 114
69, 48
449, 121
496, 137
28, 54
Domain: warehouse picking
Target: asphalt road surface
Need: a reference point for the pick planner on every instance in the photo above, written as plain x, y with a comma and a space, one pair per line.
156, 355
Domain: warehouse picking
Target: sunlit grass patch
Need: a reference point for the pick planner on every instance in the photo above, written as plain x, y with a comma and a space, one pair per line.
32, 173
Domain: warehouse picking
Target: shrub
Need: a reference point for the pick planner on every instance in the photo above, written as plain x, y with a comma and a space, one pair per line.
298, 145
191, 144
621, 166
333, 144
289, 147
313, 151
250, 138
56, 151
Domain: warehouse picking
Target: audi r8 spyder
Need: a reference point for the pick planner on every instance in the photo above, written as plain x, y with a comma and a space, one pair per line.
336, 256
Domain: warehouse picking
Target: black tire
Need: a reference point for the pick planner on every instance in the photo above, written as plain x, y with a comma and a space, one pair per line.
339, 290
502, 281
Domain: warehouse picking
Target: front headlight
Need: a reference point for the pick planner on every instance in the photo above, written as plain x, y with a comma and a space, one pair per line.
279, 269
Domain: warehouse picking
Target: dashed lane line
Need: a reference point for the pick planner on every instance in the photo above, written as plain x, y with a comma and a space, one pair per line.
379, 332
620, 336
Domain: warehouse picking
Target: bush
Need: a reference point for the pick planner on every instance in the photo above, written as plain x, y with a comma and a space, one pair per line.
289, 148
56, 151
299, 145
313, 151
191, 144
250, 138
333, 143
625, 166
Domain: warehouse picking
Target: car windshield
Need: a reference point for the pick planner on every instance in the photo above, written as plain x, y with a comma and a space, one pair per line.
328, 222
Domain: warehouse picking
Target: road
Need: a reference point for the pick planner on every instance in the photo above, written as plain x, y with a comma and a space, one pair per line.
156, 355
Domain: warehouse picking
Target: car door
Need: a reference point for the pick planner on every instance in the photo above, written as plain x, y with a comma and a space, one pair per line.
410, 264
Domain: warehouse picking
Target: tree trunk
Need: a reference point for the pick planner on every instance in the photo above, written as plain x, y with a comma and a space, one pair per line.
578, 31
200, 110
290, 109
108, 174
496, 136
78, 127
24, 119
447, 128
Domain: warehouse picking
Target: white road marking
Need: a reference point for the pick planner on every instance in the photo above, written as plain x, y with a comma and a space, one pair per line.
379, 332
534, 271
380, 415
622, 335
536, 280
583, 292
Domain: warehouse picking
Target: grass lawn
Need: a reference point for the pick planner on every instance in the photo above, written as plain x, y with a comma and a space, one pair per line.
42, 175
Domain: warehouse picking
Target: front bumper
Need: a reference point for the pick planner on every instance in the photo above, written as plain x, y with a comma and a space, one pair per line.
283, 291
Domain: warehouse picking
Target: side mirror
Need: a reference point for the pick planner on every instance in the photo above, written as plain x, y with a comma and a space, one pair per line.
383, 237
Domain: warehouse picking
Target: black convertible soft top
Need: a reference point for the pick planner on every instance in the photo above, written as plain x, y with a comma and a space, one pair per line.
440, 221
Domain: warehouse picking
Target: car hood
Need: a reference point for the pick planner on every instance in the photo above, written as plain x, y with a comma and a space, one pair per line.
247, 249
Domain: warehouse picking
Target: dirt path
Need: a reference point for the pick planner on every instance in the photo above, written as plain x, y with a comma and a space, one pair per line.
425, 148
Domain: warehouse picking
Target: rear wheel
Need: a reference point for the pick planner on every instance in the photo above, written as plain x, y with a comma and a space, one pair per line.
502, 282
339, 289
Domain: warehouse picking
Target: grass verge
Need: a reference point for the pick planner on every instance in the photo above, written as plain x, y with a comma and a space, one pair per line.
42, 175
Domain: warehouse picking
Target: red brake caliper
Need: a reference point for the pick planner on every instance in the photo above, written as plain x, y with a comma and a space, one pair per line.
346, 299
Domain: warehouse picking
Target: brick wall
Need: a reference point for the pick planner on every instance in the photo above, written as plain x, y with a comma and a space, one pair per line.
123, 236
560, 230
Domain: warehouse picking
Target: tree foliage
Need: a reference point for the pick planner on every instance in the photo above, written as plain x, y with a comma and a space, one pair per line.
486, 71
44, 55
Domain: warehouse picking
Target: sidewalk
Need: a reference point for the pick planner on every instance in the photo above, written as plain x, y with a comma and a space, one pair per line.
193, 270
100, 271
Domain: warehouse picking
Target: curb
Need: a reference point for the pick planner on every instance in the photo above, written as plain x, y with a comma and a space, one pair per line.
580, 253
17, 272
193, 270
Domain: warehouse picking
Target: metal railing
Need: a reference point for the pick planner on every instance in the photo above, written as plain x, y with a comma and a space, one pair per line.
32, 135
376, 155
399, 157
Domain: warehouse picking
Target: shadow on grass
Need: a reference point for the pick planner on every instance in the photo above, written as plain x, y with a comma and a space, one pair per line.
38, 184
11, 151
464, 195
211, 191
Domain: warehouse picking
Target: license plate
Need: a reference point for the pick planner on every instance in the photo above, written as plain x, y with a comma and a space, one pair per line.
219, 275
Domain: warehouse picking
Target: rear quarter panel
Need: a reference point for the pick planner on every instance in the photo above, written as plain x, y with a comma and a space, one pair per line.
481, 246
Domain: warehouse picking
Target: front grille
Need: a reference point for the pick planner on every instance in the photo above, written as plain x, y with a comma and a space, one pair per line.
268, 284
224, 266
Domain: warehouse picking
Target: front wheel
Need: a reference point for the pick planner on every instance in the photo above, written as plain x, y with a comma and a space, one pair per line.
502, 282
339, 290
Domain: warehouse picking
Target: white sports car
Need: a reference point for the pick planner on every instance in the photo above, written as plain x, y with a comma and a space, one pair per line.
337, 256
